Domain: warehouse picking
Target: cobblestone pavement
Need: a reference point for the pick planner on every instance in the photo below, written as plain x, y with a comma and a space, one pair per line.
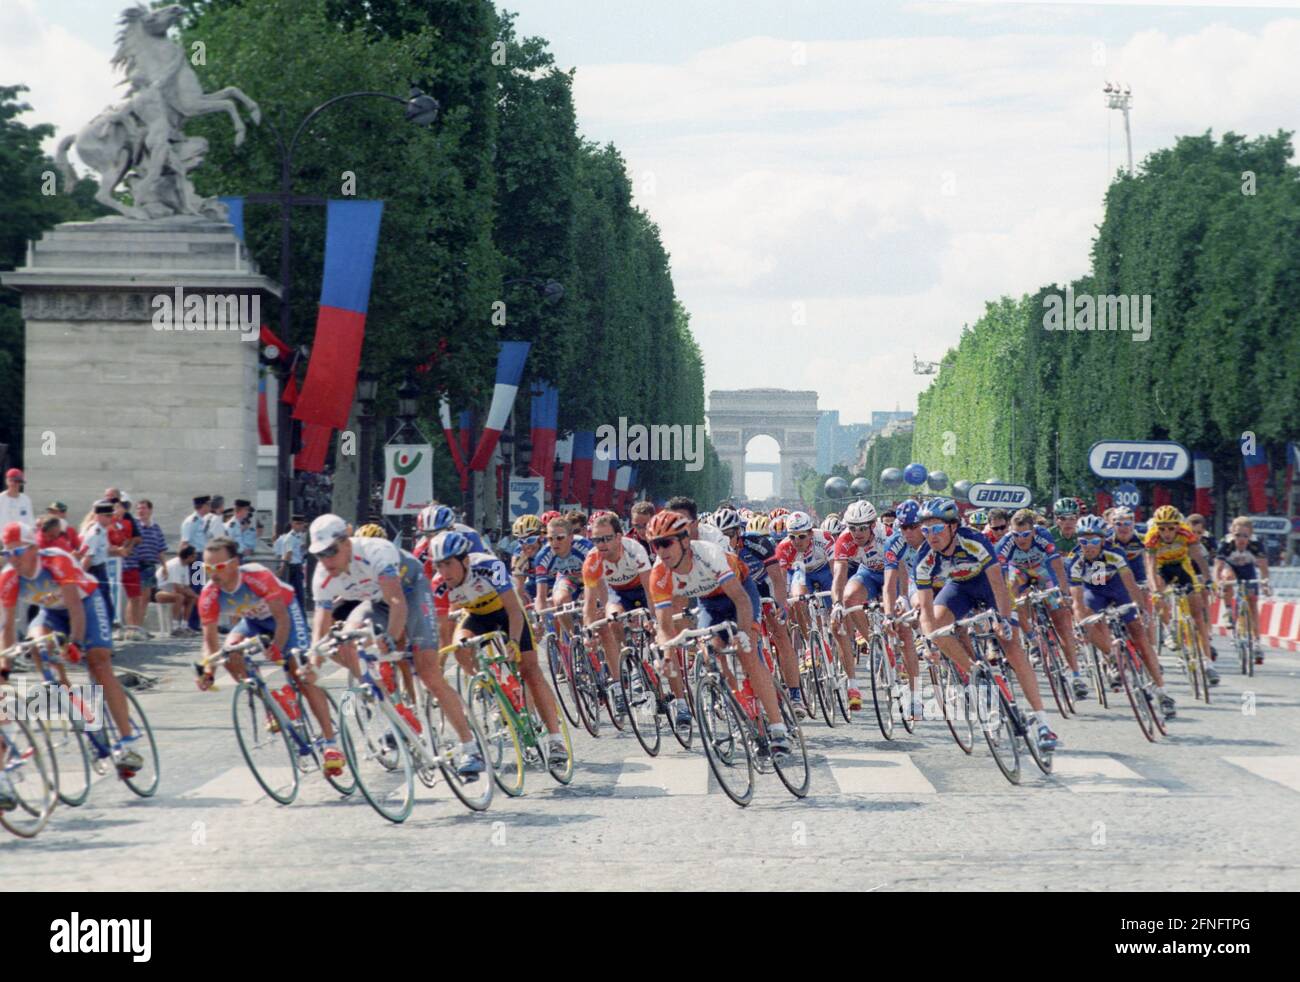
1213, 806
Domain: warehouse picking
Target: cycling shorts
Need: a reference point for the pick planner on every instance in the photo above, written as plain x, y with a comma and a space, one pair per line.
99, 626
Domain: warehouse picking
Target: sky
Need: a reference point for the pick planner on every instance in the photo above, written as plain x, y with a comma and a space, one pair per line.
842, 184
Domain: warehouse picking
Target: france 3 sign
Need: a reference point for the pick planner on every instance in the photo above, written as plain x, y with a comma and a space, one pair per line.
526, 496
408, 478
1139, 460
1010, 496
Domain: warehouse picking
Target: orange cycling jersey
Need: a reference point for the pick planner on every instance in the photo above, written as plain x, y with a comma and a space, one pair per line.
1170, 553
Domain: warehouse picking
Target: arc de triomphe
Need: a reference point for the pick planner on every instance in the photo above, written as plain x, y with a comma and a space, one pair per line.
789, 417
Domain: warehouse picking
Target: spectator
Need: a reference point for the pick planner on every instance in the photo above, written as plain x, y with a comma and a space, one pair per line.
194, 528
289, 550
123, 537
147, 556
53, 532
176, 588
215, 522
95, 548
242, 530
14, 505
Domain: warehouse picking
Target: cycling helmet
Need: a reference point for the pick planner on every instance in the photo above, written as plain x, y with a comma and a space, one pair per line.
798, 521
549, 516
977, 519
778, 512
449, 545
778, 526
526, 525
759, 524
908, 512
665, 524
371, 531
1167, 515
727, 519
1121, 513
435, 518
833, 525
943, 508
1065, 506
1091, 525
860, 513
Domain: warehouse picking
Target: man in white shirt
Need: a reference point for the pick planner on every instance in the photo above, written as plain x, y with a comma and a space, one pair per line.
213, 523
176, 587
14, 505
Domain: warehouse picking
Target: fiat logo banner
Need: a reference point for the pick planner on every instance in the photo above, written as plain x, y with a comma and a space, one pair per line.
999, 496
1139, 460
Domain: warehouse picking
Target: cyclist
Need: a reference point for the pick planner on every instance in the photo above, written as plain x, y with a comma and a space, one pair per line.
858, 574
901, 551
260, 603
1029, 557
684, 568
527, 532
616, 576
972, 579
477, 583
71, 604
701, 531
1126, 539
885, 528
359, 579
435, 519
1064, 532
642, 512
754, 547
977, 519
558, 568
833, 525
1101, 578
1172, 547
806, 556
1241, 557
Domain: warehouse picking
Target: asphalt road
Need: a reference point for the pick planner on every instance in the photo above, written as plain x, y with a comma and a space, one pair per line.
1213, 806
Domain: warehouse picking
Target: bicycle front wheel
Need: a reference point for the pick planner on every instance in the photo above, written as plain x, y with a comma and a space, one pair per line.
263, 735
882, 687
25, 763
823, 675
143, 782
1133, 688
377, 754
586, 688
560, 678
954, 702
505, 752
725, 733
999, 730
474, 792
792, 768
642, 703
70, 758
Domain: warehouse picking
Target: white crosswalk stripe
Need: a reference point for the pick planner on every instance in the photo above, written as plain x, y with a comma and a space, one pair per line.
868, 773
1099, 774
676, 774
1284, 770
237, 784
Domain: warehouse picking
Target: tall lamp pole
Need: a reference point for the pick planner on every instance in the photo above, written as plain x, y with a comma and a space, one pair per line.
1122, 99
422, 110
367, 390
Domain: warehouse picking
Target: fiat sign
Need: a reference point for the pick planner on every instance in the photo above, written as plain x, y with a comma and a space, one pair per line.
999, 496
1139, 460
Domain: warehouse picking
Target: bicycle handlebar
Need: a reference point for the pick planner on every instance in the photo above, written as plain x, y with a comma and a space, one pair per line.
1107, 613
972, 623
694, 634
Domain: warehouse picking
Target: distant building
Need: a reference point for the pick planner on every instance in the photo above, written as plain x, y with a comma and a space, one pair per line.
899, 423
837, 443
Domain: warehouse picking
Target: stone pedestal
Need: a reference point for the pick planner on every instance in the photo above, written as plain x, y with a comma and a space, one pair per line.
164, 411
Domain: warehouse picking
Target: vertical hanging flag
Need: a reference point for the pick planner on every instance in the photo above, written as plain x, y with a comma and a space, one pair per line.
564, 454
601, 472
315, 446
584, 449
1256, 480
510, 369
351, 238
235, 208
622, 487
466, 433
1203, 475
264, 436
444, 414
545, 418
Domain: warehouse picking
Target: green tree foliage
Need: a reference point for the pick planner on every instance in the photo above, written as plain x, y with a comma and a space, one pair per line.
30, 203
1211, 232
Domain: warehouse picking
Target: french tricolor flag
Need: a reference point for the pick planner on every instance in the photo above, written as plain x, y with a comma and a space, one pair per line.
564, 454
545, 418
510, 369
1203, 475
444, 414
602, 474
584, 449
623, 487
1256, 479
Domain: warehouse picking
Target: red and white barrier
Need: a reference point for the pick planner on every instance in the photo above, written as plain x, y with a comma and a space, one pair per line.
1279, 622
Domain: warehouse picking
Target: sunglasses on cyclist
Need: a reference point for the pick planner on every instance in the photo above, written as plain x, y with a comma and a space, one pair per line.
557, 538
997, 528
933, 529
1091, 540
1023, 535
1123, 525
328, 553
601, 539
210, 568
14, 553
908, 528
860, 527
529, 540
661, 544
800, 536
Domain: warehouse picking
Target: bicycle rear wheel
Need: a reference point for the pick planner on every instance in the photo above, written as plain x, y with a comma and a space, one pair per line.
999, 730
642, 703
882, 687
824, 677
70, 758
804, 656
268, 752
25, 762
793, 769
560, 678
725, 733
345, 783
587, 689
378, 755
1097, 666
143, 782
1127, 659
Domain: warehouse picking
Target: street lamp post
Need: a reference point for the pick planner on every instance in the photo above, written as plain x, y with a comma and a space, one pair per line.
1122, 99
367, 390
422, 110
408, 407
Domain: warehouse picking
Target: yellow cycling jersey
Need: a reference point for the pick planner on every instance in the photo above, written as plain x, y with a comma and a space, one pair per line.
1174, 553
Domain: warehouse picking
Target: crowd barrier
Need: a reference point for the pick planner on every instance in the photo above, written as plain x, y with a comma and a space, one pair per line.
1279, 621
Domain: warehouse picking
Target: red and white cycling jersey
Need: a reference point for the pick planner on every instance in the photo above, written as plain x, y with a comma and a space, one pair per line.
255, 586
814, 556
710, 569
56, 569
872, 555
622, 574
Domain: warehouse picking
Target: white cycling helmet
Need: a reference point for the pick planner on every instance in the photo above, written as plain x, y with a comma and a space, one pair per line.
860, 513
726, 519
798, 521
833, 525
